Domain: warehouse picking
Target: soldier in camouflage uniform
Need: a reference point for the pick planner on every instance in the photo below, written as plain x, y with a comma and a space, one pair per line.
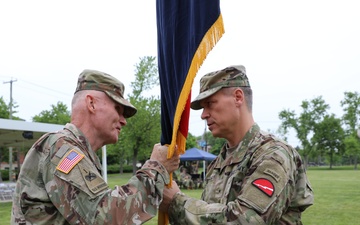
256, 179
60, 181
185, 179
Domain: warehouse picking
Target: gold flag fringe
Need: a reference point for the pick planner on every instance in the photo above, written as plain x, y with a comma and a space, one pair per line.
209, 40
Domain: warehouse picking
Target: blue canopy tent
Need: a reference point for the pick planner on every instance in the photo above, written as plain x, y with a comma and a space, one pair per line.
195, 154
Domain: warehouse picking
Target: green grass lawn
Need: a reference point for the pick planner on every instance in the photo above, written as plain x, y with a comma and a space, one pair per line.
337, 197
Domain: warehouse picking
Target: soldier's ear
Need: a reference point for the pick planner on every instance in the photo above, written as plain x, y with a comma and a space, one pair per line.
239, 96
90, 103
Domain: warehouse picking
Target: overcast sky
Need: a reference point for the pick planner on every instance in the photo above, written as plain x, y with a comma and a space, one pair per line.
292, 50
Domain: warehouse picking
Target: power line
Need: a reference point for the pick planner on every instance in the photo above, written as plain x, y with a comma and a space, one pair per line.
39, 86
54, 94
50, 89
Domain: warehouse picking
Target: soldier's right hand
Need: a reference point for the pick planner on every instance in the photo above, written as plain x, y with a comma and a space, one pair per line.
168, 195
159, 153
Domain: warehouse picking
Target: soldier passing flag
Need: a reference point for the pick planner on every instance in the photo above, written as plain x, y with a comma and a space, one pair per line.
186, 31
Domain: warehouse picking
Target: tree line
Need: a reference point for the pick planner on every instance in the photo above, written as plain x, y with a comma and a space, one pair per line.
323, 135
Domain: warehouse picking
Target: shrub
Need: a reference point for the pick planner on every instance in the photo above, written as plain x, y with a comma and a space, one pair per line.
4, 174
115, 168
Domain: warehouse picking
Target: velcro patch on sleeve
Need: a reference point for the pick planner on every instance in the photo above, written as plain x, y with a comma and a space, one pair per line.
264, 185
71, 159
93, 180
261, 189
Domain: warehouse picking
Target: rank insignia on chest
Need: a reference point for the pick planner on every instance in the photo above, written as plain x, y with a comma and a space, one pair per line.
69, 161
264, 185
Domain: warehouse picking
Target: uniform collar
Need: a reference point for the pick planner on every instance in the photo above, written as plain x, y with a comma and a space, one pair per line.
235, 156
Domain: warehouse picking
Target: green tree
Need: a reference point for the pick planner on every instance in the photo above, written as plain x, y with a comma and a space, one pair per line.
214, 144
351, 107
218, 144
280, 132
329, 136
190, 141
312, 113
144, 129
112, 154
59, 114
117, 154
352, 146
351, 119
5, 110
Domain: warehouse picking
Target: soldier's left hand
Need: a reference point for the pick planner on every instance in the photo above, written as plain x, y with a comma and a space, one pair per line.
159, 153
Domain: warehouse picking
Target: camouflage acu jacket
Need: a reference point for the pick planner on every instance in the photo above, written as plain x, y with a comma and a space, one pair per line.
60, 182
262, 181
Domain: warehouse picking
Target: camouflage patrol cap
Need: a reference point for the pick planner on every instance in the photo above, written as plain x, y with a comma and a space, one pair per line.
232, 76
100, 81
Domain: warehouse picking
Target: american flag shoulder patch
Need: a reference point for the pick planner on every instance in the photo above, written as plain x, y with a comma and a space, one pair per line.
70, 160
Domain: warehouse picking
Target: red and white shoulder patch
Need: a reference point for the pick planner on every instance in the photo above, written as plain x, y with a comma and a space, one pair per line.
264, 185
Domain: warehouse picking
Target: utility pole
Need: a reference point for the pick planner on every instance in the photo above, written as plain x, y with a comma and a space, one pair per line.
205, 137
10, 117
11, 100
